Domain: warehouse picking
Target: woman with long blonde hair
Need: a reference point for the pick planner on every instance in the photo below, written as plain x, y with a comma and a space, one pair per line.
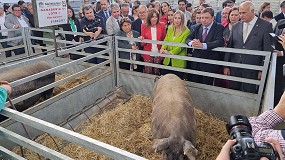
177, 32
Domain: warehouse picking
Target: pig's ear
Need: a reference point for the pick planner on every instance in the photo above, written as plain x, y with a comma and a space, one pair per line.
160, 144
189, 150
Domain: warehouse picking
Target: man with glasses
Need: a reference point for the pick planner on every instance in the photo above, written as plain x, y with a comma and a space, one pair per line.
16, 21
136, 25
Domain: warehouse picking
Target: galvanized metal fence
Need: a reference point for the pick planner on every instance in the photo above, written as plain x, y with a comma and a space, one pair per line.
106, 76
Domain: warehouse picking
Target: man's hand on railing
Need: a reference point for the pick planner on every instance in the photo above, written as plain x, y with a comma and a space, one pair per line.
227, 71
196, 43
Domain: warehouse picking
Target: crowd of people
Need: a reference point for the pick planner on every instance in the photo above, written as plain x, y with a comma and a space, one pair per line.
197, 26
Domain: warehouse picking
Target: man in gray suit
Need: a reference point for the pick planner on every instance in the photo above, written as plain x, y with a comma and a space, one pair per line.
113, 22
250, 33
16, 21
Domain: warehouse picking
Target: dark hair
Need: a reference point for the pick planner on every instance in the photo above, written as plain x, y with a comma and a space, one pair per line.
267, 14
138, 3
188, 5
21, 2
161, 7
232, 9
185, 1
150, 15
6, 6
123, 20
225, 3
205, 5
73, 15
87, 7
208, 10
134, 8
98, 6
282, 4
150, 4
14, 6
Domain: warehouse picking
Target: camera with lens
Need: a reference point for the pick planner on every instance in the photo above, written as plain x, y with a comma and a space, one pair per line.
240, 129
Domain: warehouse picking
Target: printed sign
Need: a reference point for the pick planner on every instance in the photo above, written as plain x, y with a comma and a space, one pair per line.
50, 12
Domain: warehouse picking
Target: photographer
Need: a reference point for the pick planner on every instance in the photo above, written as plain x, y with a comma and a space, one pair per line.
263, 127
5, 90
225, 152
91, 25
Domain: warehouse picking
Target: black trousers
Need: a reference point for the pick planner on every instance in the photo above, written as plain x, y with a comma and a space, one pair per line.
16, 51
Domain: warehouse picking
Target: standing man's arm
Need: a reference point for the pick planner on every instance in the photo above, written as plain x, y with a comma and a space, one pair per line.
267, 44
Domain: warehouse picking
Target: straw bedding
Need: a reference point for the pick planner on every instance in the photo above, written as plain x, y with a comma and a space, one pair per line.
127, 126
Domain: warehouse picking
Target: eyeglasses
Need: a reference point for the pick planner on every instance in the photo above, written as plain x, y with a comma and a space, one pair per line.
170, 15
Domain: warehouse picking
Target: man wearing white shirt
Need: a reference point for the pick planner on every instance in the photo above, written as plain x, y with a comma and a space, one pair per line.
182, 7
205, 37
16, 21
250, 33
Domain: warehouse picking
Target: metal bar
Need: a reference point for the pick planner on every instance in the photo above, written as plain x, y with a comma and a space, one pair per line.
5, 66
28, 41
194, 59
221, 49
100, 147
113, 65
263, 78
24, 32
45, 151
11, 39
52, 70
52, 85
117, 59
215, 75
10, 155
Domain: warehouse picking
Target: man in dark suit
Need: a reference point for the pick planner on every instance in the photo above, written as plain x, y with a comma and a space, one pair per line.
281, 15
250, 33
125, 8
105, 13
279, 78
206, 36
136, 25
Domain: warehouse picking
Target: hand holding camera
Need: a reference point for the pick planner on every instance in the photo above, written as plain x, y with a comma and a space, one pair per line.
243, 147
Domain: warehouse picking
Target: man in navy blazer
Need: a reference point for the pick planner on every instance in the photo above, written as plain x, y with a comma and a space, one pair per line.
206, 36
256, 37
136, 25
281, 15
125, 8
105, 13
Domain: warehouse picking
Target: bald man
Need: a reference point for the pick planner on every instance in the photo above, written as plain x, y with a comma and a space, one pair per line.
250, 33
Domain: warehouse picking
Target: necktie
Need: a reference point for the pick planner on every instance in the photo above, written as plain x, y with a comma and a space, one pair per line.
118, 21
245, 32
204, 35
106, 15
